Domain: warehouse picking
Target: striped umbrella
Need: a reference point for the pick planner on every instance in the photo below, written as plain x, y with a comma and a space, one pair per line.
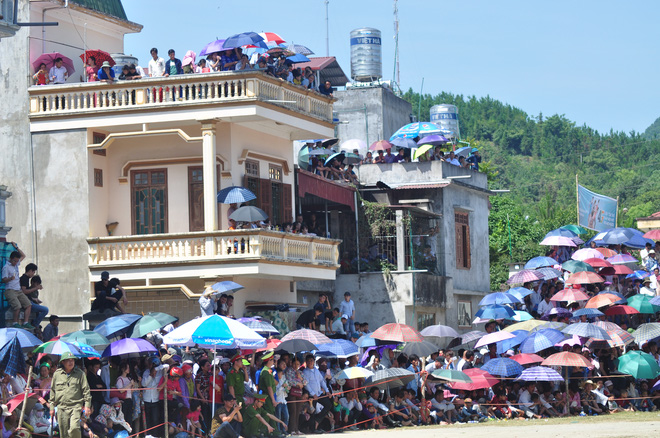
621, 259
492, 338
540, 262
574, 266
646, 332
480, 380
549, 273
234, 195
621, 310
525, 276
312, 336
499, 298
586, 330
567, 359
602, 300
585, 277
540, 374
452, 376
398, 333
353, 373
638, 364
503, 366
540, 340
618, 338
527, 358
60, 347
642, 303
590, 313
570, 295
596, 262
341, 348
587, 253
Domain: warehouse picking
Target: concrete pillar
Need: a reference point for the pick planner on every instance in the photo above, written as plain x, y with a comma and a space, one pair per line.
210, 176
400, 242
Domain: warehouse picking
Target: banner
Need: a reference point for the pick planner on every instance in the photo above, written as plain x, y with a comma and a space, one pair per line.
596, 212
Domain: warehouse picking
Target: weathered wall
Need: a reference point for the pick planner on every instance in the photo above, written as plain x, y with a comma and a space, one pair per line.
417, 172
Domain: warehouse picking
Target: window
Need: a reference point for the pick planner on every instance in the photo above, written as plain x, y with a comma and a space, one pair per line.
97, 137
149, 201
251, 180
425, 320
462, 227
275, 173
98, 177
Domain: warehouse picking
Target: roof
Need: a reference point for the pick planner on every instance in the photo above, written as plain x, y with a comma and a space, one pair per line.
654, 216
113, 8
421, 186
328, 68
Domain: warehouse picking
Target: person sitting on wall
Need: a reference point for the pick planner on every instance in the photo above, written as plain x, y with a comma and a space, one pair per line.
107, 297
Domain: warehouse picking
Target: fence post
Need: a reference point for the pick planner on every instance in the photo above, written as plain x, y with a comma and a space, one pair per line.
166, 416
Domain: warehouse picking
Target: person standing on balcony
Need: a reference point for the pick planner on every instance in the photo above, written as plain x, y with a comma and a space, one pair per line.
228, 60
207, 303
173, 65
156, 64
58, 73
15, 296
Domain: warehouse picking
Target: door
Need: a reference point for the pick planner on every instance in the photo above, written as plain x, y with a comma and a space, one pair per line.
196, 198
149, 199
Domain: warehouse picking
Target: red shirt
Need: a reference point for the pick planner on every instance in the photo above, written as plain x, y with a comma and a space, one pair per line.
216, 380
172, 385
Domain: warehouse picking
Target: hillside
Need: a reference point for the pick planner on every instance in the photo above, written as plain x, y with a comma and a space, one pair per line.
537, 158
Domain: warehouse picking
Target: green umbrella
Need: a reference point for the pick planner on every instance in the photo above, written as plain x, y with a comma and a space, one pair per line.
642, 304
638, 364
150, 322
422, 150
452, 376
576, 229
87, 337
574, 266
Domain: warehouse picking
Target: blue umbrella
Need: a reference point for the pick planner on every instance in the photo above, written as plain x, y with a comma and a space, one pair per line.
587, 330
495, 311
407, 143
520, 292
503, 366
418, 129
540, 374
638, 275
540, 262
617, 236
216, 332
226, 287
339, 155
540, 340
297, 58
235, 195
212, 47
338, 348
499, 298
508, 344
116, 324
564, 232
12, 361
521, 316
366, 341
464, 151
588, 312
25, 338
244, 39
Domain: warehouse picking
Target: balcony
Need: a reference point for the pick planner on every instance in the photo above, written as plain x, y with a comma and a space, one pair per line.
193, 91
215, 254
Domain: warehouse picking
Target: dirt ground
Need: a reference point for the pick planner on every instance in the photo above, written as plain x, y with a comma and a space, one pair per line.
621, 425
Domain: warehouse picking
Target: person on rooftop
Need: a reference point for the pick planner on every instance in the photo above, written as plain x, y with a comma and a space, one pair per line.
173, 65
327, 89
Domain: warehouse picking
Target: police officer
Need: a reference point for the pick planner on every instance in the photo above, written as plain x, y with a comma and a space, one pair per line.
237, 375
256, 420
69, 392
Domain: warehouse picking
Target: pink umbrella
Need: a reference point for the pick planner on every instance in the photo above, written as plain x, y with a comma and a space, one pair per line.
49, 60
480, 380
570, 295
587, 253
653, 234
557, 241
621, 259
380, 145
525, 276
491, 338
189, 58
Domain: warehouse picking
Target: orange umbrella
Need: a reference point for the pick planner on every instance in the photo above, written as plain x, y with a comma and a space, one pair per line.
602, 300
570, 295
397, 333
606, 252
585, 277
567, 359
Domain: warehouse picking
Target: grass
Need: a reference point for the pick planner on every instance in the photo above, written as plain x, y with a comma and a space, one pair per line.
618, 417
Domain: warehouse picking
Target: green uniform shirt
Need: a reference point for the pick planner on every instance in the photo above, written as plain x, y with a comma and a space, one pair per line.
70, 390
235, 379
266, 380
251, 424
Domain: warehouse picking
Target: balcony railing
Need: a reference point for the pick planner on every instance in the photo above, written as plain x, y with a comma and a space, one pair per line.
226, 246
176, 92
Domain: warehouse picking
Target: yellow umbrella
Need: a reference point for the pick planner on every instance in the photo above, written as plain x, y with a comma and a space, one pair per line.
525, 325
422, 150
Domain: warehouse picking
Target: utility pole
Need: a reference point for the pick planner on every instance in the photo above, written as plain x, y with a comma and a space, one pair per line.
327, 30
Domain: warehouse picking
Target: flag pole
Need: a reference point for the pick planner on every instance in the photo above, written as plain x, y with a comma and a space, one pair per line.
577, 199
616, 215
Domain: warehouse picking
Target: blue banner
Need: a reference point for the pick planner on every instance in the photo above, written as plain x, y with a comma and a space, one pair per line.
596, 212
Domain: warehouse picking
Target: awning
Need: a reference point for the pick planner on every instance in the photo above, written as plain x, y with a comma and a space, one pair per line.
309, 183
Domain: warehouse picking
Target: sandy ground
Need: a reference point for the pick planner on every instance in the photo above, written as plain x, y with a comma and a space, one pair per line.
630, 425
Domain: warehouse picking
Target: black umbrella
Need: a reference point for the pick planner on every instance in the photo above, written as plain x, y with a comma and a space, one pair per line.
390, 378
329, 142
296, 346
249, 213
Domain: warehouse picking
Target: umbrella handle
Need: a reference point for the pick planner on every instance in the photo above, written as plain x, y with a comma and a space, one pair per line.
25, 397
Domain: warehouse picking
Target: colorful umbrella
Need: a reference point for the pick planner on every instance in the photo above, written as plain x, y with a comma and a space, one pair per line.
272, 37
598, 263
316, 338
440, 331
576, 229
99, 56
390, 378
503, 366
588, 312
570, 295
639, 275
653, 234
422, 150
271, 344
86, 337
638, 364
495, 311
340, 348
452, 376
621, 310
244, 39
585, 277
49, 60
587, 253
646, 332
60, 347
215, 331
642, 303
380, 145
601, 300
417, 129
606, 251
540, 374
129, 346
150, 322
621, 259
499, 298
574, 266
527, 358
494, 337
540, 340
116, 324
557, 241
619, 338
567, 359
353, 373
480, 380
296, 346
235, 195
525, 276
398, 333
434, 139
212, 47
540, 262
586, 330
421, 349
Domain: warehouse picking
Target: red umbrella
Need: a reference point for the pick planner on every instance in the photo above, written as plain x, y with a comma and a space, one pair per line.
585, 277
17, 401
480, 380
527, 358
272, 37
606, 252
271, 344
622, 270
380, 145
601, 300
49, 60
653, 234
398, 333
621, 310
570, 295
597, 263
525, 276
99, 55
567, 359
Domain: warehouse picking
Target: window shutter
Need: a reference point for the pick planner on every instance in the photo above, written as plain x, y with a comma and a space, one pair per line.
265, 197
286, 200
459, 243
468, 252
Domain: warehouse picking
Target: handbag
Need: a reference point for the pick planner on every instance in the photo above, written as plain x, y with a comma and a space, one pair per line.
295, 391
121, 395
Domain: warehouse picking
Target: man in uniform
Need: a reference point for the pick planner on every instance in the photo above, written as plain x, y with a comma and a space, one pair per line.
237, 376
69, 393
255, 419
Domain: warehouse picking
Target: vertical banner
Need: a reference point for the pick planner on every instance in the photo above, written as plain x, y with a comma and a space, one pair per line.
596, 212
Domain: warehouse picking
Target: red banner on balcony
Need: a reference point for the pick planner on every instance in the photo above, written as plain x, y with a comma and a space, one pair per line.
325, 189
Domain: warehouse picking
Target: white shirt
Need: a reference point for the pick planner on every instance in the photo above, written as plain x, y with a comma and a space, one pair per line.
8, 270
525, 400
545, 307
646, 291
443, 405
58, 75
453, 161
644, 254
151, 394
348, 405
156, 67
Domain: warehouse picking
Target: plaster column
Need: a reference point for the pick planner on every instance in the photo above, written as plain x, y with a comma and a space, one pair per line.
400, 242
210, 176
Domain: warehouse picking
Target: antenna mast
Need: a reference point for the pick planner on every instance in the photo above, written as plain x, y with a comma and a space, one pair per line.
327, 30
396, 77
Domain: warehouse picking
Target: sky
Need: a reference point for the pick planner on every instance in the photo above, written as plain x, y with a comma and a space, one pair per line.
594, 61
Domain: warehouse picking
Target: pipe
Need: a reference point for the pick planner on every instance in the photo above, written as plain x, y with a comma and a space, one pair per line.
43, 20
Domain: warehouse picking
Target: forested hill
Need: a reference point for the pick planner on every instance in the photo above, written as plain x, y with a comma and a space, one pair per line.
537, 158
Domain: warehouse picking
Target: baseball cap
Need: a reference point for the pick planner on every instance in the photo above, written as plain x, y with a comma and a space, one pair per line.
344, 316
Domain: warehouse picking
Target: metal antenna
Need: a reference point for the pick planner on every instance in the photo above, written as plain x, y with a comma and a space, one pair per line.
327, 30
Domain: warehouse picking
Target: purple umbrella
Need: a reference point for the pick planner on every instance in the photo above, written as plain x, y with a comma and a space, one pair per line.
525, 276
135, 346
434, 139
559, 311
557, 241
540, 374
212, 47
49, 60
621, 259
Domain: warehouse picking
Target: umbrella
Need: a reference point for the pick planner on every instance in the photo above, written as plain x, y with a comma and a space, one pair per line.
271, 344
215, 331
574, 266
421, 151
99, 56
398, 333
272, 37
407, 143
129, 346
463, 152
341, 348
540, 262
298, 58
235, 195
619, 338
642, 304
189, 58
588, 312
390, 378
434, 139
524, 276
499, 298
312, 336
585, 277
212, 47
417, 129
655, 301
617, 236
226, 287
339, 156
521, 315
520, 292
244, 39
320, 151
150, 322
576, 229
12, 360
601, 300
567, 359
621, 270
300, 49
527, 325
646, 332
561, 232
653, 234
596, 262
480, 380
49, 60
639, 275
621, 310
495, 311
353, 373
570, 295
421, 349
493, 338
248, 213
366, 341
549, 273
472, 336
557, 241
452, 376
540, 374
606, 252
352, 158
380, 145
559, 311
297, 345
587, 253
116, 324
25, 338
527, 358
86, 337
440, 331
508, 344
540, 340
620, 259
586, 330
259, 325
503, 366
352, 144
16, 402
60, 347
638, 364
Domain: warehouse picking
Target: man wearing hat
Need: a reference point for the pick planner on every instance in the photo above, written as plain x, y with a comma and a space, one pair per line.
645, 289
255, 419
267, 383
69, 393
228, 421
106, 73
651, 262
237, 376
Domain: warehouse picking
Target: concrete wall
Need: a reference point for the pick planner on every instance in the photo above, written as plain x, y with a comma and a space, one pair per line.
417, 172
